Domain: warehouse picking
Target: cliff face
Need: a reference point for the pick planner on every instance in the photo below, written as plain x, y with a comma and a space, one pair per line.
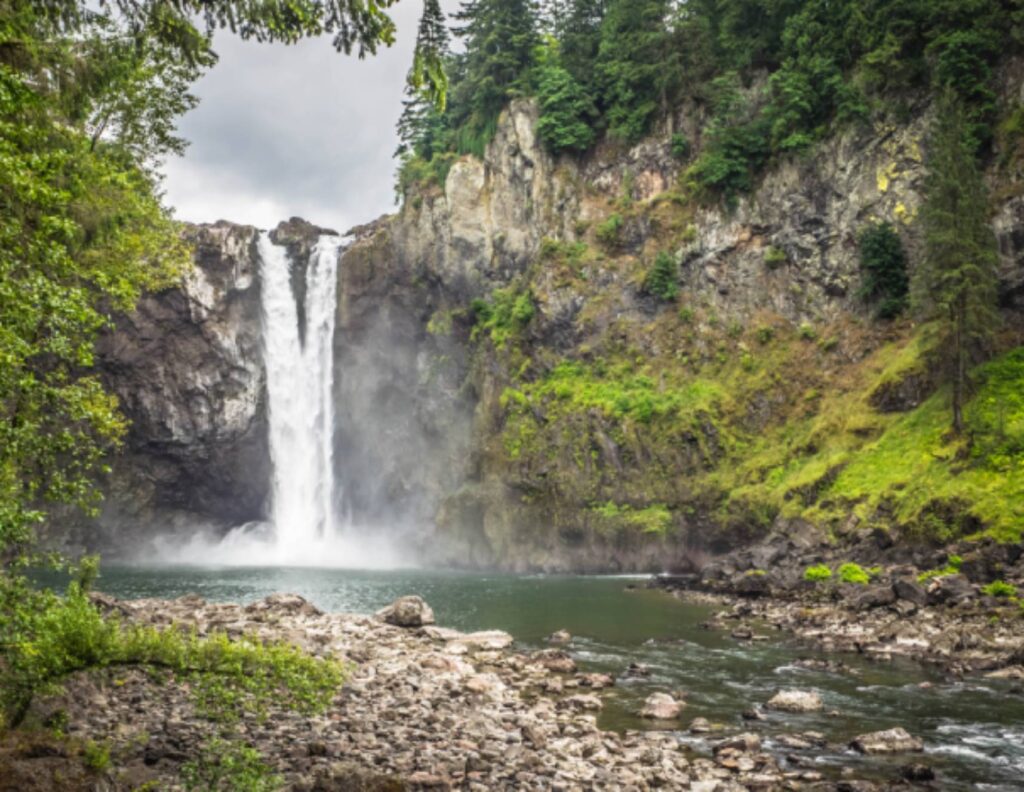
187, 369
676, 426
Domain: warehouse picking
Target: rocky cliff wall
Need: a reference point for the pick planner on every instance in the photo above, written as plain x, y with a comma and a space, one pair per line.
456, 426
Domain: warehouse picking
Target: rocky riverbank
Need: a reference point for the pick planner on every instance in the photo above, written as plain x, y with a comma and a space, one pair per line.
425, 708
955, 607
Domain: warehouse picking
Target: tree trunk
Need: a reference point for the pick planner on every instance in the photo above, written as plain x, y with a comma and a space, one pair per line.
960, 361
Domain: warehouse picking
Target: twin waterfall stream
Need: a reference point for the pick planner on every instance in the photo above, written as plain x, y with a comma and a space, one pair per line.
300, 388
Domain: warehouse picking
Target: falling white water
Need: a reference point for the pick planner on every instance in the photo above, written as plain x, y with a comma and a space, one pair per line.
304, 527
300, 384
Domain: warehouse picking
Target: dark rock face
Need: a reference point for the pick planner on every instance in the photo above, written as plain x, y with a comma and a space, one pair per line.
188, 371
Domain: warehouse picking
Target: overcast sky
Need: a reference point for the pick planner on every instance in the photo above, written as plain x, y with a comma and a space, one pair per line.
301, 130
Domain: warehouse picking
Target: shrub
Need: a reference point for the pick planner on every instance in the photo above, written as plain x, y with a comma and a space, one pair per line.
765, 334
609, 233
680, 146
999, 588
807, 332
774, 258
953, 564
227, 765
663, 277
817, 573
506, 314
883, 265
96, 756
226, 676
854, 573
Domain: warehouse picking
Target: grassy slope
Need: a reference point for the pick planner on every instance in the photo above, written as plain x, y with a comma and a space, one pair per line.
684, 413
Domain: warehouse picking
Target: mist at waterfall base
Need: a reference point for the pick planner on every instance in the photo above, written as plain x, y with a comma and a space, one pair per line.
309, 525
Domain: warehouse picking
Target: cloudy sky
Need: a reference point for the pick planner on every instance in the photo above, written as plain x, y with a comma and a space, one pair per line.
301, 130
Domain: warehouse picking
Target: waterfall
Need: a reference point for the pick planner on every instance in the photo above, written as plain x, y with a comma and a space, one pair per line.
300, 384
304, 526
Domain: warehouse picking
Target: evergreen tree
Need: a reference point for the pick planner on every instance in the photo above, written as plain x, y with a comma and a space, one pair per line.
956, 283
500, 36
567, 113
578, 30
636, 65
422, 123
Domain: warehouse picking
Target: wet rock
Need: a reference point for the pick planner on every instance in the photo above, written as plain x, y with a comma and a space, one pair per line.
561, 638
700, 726
917, 773
596, 681
554, 660
638, 670
896, 740
795, 701
746, 742
661, 706
752, 585
583, 703
409, 611
753, 714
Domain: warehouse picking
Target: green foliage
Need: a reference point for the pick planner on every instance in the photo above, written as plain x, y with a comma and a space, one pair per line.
955, 285
662, 279
680, 146
636, 65
807, 331
817, 573
953, 564
1000, 589
609, 232
567, 112
96, 756
504, 315
67, 634
883, 265
995, 418
500, 38
655, 519
224, 765
854, 573
774, 257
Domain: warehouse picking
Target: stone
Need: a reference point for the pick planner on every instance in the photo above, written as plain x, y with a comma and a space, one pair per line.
661, 706
872, 597
910, 590
700, 726
409, 611
561, 637
896, 740
917, 773
795, 701
746, 743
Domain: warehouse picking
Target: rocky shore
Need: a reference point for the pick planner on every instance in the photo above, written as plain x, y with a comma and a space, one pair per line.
425, 708
955, 607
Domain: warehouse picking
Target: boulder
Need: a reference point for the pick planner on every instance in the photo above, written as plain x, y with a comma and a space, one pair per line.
873, 597
795, 701
949, 590
910, 590
661, 706
890, 741
746, 742
409, 611
561, 637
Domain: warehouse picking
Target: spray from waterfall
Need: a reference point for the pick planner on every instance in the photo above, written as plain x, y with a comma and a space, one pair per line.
304, 527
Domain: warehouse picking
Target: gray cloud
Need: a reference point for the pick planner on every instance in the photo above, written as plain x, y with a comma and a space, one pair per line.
298, 130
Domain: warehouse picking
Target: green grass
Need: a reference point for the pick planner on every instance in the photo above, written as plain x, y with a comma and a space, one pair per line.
1000, 589
854, 573
817, 573
656, 519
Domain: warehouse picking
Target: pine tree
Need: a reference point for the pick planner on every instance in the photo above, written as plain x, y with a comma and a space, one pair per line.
567, 113
956, 283
636, 65
576, 24
500, 37
421, 123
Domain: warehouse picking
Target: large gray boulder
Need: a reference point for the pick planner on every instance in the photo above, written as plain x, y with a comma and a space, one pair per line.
411, 611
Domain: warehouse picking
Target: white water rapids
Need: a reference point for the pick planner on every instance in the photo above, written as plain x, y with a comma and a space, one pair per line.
305, 526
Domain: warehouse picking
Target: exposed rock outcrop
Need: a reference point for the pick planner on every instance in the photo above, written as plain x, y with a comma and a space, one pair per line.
187, 369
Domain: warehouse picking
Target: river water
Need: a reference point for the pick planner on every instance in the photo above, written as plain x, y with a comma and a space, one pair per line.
973, 729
